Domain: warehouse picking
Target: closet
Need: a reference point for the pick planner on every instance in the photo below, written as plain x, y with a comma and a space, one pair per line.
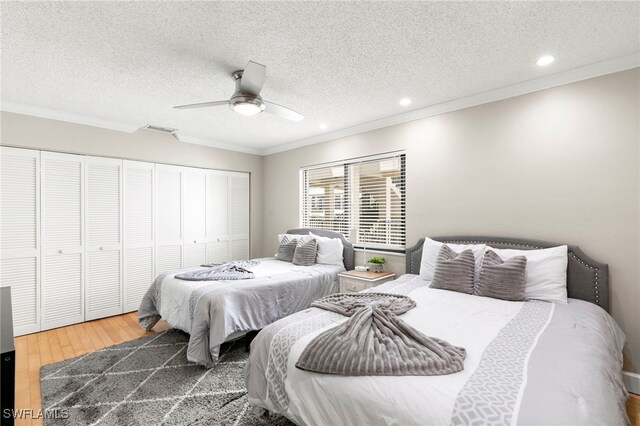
84, 237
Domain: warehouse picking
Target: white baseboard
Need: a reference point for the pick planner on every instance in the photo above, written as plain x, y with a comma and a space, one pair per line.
631, 382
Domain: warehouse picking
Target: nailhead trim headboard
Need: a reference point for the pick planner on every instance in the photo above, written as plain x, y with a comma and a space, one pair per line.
587, 279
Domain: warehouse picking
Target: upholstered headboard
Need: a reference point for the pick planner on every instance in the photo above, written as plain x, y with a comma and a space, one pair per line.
587, 279
348, 254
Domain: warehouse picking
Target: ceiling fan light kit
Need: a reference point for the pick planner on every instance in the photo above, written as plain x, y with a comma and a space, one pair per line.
246, 99
247, 106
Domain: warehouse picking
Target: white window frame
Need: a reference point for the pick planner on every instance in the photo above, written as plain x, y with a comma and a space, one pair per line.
352, 206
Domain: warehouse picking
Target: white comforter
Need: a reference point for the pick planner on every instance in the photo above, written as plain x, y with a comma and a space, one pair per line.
213, 312
527, 363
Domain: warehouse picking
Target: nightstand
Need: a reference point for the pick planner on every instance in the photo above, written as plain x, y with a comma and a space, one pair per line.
354, 281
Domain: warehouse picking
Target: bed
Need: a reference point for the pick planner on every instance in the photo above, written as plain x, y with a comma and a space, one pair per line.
213, 312
527, 362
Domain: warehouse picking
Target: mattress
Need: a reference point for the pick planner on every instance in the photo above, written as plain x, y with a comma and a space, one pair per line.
215, 311
527, 363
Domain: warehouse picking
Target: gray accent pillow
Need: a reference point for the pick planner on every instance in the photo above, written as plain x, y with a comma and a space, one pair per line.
454, 271
286, 249
306, 252
502, 279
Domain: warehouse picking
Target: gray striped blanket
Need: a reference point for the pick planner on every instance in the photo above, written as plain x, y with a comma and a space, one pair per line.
376, 342
236, 270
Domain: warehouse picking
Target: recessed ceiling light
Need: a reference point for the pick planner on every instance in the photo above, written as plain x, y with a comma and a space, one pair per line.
405, 101
323, 126
545, 60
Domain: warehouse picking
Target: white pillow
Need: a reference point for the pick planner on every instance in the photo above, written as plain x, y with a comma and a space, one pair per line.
546, 272
329, 250
430, 251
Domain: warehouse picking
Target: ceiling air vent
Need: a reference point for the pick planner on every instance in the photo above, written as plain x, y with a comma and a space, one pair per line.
160, 129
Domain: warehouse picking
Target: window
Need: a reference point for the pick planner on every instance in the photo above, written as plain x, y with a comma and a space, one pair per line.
364, 199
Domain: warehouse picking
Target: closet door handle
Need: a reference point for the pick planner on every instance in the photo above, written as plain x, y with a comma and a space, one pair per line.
101, 248
60, 251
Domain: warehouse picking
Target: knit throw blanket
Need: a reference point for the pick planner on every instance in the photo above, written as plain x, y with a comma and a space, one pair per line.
374, 341
235, 270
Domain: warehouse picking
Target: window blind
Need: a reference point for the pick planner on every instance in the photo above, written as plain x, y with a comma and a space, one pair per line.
362, 196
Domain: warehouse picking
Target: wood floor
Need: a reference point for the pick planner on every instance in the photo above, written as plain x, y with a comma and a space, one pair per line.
35, 350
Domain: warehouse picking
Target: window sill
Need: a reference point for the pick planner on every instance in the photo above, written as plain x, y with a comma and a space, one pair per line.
390, 252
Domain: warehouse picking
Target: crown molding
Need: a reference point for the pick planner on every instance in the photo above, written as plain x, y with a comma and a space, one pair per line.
553, 80
213, 144
41, 112
611, 66
86, 120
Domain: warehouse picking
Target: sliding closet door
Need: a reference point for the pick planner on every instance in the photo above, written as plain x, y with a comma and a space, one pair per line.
19, 234
168, 218
138, 232
217, 217
239, 211
103, 217
62, 239
195, 216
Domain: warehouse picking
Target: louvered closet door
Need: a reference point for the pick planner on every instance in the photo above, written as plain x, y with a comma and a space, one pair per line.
195, 196
103, 249
138, 232
19, 234
239, 212
217, 217
168, 192
61, 183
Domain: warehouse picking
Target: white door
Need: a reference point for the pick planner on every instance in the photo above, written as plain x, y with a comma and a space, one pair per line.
138, 232
195, 216
239, 215
20, 235
168, 194
61, 183
217, 217
103, 248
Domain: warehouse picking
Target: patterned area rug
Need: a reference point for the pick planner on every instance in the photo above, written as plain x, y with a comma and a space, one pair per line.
149, 381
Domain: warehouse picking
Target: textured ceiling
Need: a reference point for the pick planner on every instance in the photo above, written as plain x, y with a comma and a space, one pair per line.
342, 63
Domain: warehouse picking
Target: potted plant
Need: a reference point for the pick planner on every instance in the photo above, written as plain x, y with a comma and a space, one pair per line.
377, 263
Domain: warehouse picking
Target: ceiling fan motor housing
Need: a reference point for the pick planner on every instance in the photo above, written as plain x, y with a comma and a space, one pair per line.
247, 101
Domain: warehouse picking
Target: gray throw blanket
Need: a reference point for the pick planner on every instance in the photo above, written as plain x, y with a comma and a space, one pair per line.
235, 270
376, 342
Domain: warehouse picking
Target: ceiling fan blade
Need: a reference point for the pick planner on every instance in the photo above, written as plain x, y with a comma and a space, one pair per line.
203, 105
283, 112
253, 78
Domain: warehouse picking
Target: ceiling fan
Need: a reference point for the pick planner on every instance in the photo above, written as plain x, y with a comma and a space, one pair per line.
246, 99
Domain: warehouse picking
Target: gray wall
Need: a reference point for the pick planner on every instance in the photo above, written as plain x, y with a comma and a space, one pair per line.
143, 145
560, 164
